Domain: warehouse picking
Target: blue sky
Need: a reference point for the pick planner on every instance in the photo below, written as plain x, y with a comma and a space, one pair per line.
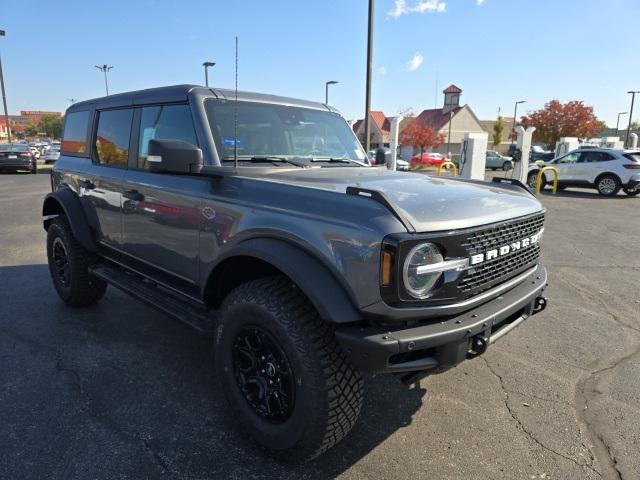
497, 51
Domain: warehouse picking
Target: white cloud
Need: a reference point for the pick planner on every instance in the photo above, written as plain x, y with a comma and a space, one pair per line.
415, 62
381, 70
479, 2
400, 7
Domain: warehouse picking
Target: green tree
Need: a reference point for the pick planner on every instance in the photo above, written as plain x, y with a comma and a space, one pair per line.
498, 131
31, 131
635, 125
51, 125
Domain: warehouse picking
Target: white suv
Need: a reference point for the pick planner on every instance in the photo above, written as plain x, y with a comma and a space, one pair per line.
605, 169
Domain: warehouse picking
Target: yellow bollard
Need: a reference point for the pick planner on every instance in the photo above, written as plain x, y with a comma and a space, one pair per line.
448, 164
555, 178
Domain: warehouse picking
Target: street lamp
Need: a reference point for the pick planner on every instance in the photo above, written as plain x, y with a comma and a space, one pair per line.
326, 90
206, 65
4, 99
367, 109
618, 122
633, 99
104, 69
515, 114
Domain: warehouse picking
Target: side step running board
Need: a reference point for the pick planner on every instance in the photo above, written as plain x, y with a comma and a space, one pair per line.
156, 297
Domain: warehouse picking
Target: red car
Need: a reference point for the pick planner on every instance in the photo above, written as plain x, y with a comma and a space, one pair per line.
428, 159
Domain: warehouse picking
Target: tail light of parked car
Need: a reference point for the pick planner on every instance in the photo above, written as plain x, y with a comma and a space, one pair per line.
632, 166
26, 154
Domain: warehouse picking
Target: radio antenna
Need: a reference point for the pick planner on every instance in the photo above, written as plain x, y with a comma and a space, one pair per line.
235, 115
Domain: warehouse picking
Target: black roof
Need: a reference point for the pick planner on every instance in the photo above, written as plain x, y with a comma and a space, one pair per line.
180, 93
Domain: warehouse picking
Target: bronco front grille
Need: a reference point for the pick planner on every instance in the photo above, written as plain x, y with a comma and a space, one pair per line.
487, 274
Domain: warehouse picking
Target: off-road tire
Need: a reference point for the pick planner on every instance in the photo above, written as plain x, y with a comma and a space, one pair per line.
328, 390
630, 192
81, 288
608, 185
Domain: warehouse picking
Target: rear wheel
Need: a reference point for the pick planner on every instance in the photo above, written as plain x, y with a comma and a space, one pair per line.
68, 264
608, 185
287, 380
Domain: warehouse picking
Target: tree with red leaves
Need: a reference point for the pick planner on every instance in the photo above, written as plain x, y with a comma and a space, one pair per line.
421, 137
556, 120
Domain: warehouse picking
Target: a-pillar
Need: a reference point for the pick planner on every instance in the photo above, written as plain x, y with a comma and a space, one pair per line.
521, 168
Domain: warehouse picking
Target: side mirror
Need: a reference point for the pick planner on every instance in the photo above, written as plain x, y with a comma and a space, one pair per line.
173, 156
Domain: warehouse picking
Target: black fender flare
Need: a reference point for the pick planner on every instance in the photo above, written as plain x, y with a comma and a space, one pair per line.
67, 202
317, 282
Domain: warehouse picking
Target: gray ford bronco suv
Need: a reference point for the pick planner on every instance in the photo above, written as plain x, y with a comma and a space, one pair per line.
258, 219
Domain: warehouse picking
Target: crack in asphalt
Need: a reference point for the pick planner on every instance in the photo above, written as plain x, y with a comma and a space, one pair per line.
524, 429
87, 404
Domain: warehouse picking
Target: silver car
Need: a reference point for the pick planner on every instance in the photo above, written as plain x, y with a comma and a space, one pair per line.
497, 161
51, 155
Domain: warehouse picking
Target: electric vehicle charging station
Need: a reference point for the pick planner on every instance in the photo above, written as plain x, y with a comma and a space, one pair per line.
473, 156
395, 131
565, 145
521, 164
634, 141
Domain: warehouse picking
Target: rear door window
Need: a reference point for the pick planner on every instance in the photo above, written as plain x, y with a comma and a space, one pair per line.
112, 137
74, 138
166, 122
592, 157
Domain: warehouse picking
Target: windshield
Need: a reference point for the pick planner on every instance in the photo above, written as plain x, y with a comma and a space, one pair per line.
268, 130
13, 148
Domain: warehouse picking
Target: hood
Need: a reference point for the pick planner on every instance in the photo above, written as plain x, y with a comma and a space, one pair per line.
429, 203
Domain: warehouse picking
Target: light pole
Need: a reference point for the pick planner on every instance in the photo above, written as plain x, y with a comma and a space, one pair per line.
206, 65
326, 90
515, 114
104, 69
618, 122
633, 99
4, 99
367, 109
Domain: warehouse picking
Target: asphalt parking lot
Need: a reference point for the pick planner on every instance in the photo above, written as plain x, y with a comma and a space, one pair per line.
121, 391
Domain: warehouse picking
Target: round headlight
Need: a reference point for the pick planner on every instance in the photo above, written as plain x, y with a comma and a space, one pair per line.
418, 283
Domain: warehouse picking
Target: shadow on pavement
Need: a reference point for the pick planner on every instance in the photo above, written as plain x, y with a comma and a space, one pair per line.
118, 390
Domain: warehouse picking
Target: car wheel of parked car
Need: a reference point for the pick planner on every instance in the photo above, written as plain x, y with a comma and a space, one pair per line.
608, 185
287, 380
68, 263
532, 180
506, 166
630, 192
34, 169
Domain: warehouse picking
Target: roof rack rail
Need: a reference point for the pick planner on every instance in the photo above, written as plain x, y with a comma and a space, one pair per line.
381, 198
511, 181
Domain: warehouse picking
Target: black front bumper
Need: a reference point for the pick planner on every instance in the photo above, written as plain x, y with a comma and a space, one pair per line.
442, 343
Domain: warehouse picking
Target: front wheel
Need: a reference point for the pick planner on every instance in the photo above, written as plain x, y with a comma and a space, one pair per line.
632, 193
532, 181
506, 166
287, 380
608, 185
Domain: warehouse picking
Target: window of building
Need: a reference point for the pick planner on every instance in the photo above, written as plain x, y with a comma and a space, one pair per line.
167, 122
74, 138
112, 137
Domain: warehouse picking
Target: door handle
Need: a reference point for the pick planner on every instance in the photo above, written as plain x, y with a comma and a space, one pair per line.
133, 195
88, 184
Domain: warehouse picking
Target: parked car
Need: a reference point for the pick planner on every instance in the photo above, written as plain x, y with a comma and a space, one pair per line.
402, 165
428, 159
606, 169
35, 151
497, 161
17, 156
52, 154
258, 221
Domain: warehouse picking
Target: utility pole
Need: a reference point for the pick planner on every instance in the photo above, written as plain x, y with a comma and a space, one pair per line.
104, 69
326, 90
4, 98
513, 126
618, 123
633, 99
206, 65
367, 109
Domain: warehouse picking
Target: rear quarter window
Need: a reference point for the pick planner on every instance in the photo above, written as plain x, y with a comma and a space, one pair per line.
74, 138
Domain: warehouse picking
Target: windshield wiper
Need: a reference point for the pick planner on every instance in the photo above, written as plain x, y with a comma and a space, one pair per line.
335, 160
265, 159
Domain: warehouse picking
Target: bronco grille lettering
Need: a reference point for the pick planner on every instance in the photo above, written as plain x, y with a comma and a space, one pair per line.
505, 249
